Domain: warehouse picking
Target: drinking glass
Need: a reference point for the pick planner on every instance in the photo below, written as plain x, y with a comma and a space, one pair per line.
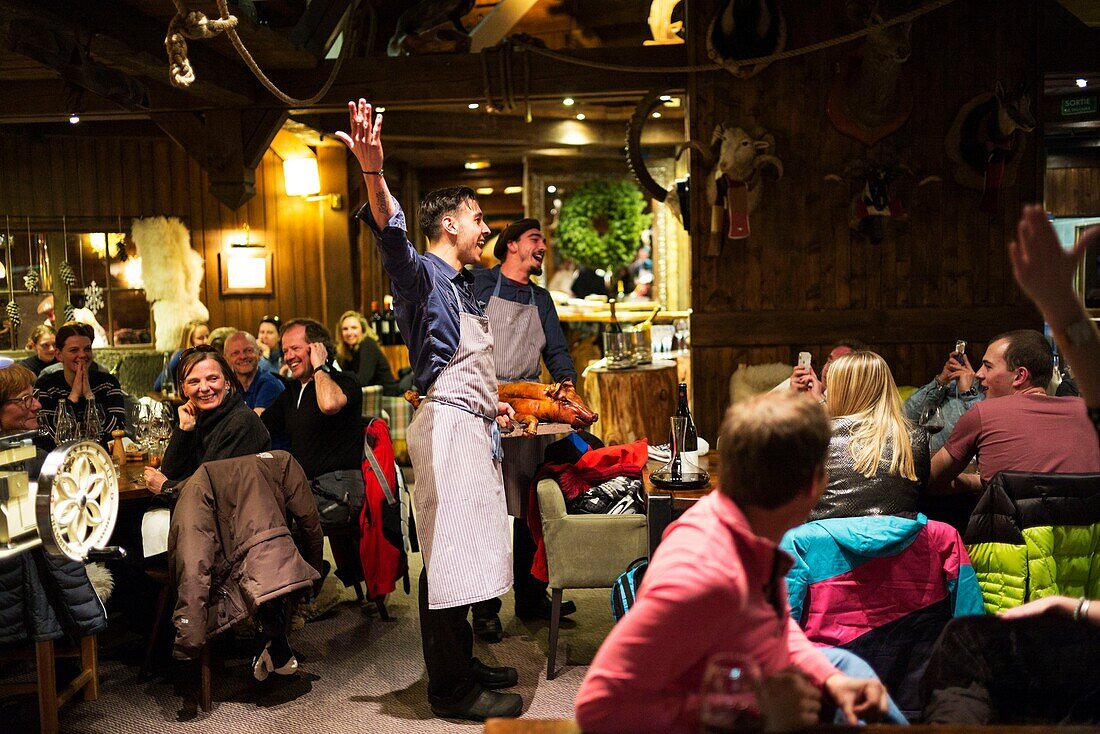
728, 699
618, 350
642, 339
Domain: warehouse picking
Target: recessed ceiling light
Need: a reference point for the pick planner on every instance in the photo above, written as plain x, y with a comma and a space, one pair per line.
568, 102
74, 119
473, 105
380, 109
656, 114
666, 97
484, 190
513, 190
551, 189
580, 115
476, 165
1082, 83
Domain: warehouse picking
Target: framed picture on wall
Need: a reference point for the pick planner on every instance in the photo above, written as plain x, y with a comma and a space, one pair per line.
246, 272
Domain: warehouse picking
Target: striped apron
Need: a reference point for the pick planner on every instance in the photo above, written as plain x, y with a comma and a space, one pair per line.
519, 339
461, 514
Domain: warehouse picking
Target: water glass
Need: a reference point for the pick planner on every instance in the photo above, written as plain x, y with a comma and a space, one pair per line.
643, 345
728, 699
618, 350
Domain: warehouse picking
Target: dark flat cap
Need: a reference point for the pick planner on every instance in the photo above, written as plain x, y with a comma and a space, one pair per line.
512, 233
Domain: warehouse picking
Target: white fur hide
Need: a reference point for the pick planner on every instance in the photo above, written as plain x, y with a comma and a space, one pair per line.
102, 580
172, 273
757, 378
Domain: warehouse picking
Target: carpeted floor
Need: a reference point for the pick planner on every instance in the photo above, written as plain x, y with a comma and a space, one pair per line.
357, 673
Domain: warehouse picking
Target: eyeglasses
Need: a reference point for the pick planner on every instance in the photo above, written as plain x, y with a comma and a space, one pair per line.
26, 401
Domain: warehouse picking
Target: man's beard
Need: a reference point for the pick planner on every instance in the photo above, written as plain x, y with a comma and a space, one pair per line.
535, 270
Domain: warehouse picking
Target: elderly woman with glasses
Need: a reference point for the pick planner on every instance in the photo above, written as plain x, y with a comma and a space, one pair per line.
214, 423
79, 388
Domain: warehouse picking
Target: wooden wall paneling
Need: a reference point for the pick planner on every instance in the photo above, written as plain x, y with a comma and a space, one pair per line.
1073, 192
338, 262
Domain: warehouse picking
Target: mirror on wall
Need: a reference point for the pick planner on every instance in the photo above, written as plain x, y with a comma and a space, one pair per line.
98, 259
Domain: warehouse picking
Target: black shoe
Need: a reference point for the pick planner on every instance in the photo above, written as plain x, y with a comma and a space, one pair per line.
480, 704
541, 609
488, 629
493, 678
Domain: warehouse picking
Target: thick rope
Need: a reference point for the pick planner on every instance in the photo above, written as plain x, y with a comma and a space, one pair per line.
840, 40
196, 25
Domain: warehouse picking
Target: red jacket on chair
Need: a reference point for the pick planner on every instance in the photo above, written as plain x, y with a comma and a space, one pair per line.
383, 561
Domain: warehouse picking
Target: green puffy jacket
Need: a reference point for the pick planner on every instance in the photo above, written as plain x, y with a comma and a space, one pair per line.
1036, 535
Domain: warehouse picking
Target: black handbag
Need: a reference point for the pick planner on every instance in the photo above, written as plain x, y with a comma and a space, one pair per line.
340, 496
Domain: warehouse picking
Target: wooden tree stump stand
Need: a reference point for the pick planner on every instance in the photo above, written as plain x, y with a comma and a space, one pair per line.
634, 403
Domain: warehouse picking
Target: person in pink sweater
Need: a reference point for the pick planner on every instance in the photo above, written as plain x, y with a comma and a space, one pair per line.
716, 585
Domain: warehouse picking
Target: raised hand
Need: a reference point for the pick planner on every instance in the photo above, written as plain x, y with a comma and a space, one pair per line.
188, 416
1043, 268
365, 139
318, 354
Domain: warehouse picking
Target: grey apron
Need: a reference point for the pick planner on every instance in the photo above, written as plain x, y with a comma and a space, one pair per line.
461, 515
519, 339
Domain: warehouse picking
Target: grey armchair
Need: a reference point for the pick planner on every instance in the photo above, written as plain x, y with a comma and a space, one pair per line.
584, 552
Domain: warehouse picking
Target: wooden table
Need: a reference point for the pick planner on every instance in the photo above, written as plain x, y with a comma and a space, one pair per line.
663, 505
568, 726
131, 482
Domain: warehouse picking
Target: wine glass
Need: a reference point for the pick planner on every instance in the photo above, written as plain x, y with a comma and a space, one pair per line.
728, 698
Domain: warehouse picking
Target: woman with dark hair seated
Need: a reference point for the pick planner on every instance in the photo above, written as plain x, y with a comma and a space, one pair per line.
357, 351
214, 423
878, 461
44, 345
79, 389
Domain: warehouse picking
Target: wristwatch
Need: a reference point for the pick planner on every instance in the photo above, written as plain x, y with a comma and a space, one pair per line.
326, 368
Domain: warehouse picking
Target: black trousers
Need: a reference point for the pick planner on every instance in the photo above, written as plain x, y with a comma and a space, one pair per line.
529, 590
448, 643
987, 670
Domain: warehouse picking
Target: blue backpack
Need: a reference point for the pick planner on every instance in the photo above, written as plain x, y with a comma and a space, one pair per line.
625, 589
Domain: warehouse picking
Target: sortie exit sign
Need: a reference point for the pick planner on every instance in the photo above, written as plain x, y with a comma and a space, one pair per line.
1079, 106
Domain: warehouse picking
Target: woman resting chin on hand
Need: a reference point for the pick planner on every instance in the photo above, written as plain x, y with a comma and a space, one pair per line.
214, 423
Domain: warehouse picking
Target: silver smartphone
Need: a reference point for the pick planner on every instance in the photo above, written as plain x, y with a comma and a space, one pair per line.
804, 359
960, 350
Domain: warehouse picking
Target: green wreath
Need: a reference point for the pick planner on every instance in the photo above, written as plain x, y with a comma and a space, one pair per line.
601, 224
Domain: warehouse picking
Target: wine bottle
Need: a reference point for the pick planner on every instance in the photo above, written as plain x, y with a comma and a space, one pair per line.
690, 453
376, 319
385, 333
614, 327
391, 315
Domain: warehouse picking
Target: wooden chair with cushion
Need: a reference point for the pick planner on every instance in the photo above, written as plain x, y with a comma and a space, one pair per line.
584, 552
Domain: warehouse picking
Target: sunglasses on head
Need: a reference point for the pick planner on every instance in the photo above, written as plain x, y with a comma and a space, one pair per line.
199, 348
273, 319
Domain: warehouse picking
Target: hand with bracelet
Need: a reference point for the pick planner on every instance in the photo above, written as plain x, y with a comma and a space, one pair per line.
365, 139
1064, 606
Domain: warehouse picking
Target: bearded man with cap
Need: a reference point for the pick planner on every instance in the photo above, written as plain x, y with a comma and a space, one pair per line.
525, 329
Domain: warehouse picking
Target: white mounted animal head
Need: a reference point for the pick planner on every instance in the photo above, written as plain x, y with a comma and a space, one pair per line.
741, 154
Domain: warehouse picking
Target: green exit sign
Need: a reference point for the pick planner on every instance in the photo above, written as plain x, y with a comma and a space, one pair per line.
1078, 106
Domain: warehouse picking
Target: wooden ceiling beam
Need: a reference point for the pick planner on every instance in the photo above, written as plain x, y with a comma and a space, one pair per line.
455, 78
460, 128
120, 38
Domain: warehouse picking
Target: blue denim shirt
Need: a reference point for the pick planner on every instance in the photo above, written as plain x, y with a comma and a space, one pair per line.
422, 297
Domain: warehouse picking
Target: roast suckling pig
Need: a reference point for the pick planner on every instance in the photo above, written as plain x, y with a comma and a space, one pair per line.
533, 402
557, 402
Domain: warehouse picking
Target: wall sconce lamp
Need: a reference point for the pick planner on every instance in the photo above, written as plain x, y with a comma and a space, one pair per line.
303, 178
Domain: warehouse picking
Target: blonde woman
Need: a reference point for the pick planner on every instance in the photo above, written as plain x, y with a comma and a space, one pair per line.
357, 351
878, 461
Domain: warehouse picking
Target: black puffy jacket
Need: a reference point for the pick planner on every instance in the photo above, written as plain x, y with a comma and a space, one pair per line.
43, 597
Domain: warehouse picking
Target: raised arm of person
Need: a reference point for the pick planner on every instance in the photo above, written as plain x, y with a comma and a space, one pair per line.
382, 212
1044, 270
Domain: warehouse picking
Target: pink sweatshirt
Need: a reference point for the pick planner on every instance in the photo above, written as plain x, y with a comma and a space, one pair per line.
703, 593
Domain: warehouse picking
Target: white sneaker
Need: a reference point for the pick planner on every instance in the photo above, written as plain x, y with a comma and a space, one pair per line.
263, 665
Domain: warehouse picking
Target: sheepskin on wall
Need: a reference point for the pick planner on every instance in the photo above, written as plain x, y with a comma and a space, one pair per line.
172, 273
